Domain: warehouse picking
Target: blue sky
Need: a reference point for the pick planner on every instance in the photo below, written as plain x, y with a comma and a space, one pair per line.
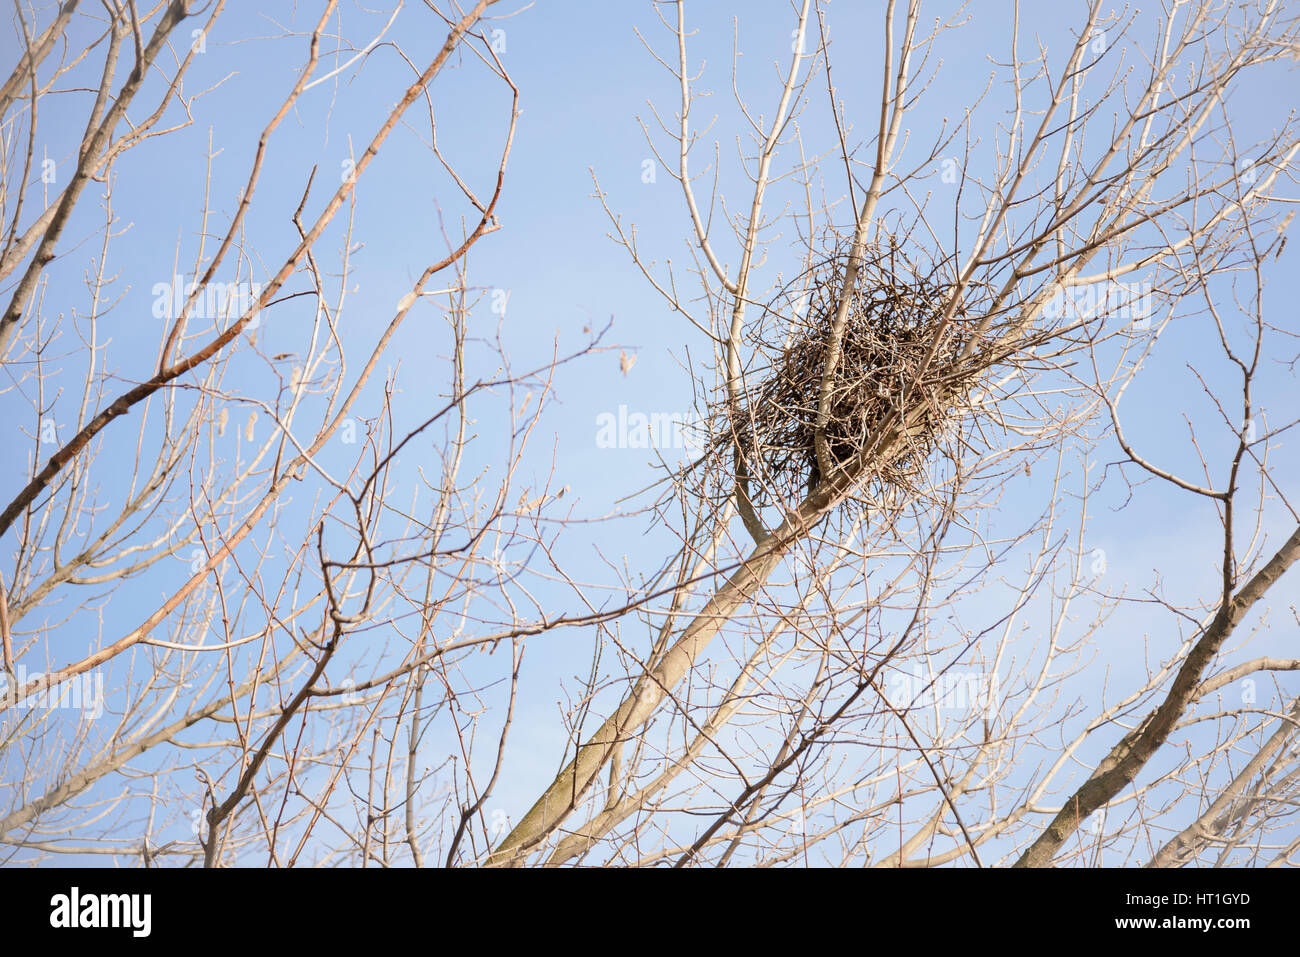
585, 79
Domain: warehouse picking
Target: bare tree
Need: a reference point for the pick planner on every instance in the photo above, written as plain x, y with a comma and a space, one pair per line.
887, 634
202, 462
904, 375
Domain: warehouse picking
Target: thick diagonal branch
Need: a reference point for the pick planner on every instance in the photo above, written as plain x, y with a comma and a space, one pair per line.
1131, 754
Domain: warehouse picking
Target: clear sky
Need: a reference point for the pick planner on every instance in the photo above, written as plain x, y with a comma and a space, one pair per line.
585, 79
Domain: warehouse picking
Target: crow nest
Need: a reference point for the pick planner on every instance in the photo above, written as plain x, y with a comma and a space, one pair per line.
895, 309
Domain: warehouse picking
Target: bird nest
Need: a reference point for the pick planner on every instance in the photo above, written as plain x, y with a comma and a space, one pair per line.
894, 316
